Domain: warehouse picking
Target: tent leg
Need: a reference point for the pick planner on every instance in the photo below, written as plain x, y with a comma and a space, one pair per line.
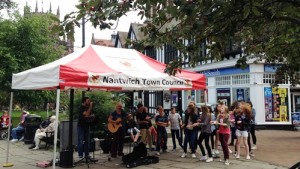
205, 96
7, 164
56, 126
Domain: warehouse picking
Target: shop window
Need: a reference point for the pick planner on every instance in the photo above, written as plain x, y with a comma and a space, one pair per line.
269, 78
223, 80
276, 104
241, 79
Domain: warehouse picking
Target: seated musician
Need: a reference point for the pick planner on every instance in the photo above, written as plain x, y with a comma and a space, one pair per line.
117, 119
132, 129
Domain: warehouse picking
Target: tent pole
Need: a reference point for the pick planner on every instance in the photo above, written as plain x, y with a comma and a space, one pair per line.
7, 164
56, 126
71, 108
205, 96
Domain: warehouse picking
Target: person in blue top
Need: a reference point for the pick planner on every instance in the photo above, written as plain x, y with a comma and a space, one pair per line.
162, 137
118, 117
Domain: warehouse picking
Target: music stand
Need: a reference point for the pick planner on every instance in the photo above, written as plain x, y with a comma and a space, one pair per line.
87, 159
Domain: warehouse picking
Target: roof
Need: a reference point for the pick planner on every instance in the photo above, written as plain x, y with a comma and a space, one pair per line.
122, 37
135, 27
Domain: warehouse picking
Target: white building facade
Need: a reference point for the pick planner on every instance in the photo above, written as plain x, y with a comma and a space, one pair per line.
227, 83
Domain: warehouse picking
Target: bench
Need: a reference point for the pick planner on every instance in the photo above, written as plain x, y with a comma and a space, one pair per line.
49, 140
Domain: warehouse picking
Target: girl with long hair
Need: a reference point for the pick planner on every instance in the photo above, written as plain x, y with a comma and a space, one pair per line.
190, 130
223, 121
205, 121
242, 121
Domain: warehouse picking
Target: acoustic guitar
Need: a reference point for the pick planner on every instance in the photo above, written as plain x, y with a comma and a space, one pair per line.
113, 127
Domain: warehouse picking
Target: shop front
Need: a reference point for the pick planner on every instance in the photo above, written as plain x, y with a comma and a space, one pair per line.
273, 105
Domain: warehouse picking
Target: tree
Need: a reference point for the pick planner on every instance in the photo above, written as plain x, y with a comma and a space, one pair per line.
27, 42
267, 30
6, 4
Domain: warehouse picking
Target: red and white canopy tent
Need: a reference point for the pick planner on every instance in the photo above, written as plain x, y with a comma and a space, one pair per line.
104, 68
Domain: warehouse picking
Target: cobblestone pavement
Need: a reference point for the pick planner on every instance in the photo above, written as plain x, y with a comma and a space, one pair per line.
275, 150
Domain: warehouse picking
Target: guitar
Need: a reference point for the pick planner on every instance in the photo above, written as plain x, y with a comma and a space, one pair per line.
113, 127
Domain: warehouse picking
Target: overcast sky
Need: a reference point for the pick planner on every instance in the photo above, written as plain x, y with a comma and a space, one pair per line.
67, 6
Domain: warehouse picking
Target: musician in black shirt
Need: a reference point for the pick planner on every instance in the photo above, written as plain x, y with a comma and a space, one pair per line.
144, 121
83, 127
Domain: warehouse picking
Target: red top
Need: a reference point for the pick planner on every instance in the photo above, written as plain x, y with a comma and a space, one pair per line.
4, 120
224, 129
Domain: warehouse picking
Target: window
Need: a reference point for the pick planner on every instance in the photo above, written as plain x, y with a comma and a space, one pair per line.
223, 80
170, 53
269, 78
151, 52
241, 79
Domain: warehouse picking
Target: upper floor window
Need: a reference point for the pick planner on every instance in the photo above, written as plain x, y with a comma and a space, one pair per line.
223, 80
269, 78
151, 52
241, 79
170, 53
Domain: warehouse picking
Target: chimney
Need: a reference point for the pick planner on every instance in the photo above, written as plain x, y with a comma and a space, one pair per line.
114, 37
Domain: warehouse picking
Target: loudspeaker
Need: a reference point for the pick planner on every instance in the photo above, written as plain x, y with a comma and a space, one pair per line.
66, 159
64, 135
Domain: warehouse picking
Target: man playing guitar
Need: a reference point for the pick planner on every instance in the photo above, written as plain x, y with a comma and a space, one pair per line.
117, 119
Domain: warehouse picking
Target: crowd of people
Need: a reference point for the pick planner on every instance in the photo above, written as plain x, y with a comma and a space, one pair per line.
225, 126
200, 124
17, 133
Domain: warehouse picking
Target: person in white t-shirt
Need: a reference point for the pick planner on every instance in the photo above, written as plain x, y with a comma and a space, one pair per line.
175, 122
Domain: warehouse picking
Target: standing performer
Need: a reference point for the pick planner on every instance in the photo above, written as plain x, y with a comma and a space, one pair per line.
82, 127
117, 126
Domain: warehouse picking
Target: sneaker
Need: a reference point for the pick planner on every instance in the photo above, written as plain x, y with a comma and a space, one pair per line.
21, 139
217, 152
14, 140
203, 158
254, 147
237, 156
252, 154
183, 155
234, 154
35, 148
194, 155
210, 159
157, 153
227, 162
247, 157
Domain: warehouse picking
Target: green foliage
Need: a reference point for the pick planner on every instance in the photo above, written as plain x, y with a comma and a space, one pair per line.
266, 29
27, 42
104, 104
6, 4
17, 114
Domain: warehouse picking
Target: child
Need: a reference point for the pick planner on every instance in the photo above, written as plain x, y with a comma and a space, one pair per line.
4, 120
131, 128
176, 122
162, 136
223, 121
